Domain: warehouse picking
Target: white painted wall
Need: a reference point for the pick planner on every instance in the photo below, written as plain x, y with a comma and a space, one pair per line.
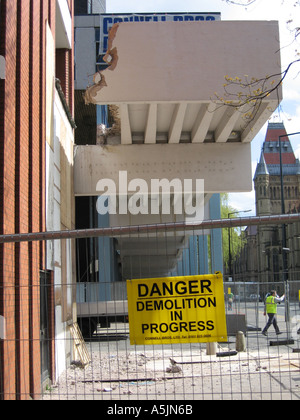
62, 141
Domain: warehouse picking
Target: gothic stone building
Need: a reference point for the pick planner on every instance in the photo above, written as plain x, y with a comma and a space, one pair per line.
262, 259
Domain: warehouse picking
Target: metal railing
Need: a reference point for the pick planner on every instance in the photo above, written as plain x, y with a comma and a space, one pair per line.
155, 228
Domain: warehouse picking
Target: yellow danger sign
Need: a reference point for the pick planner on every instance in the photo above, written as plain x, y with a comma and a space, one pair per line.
189, 309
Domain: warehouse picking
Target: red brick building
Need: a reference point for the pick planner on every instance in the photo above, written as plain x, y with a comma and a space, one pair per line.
30, 32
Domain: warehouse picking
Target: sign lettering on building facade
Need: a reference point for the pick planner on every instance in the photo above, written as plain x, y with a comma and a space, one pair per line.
108, 20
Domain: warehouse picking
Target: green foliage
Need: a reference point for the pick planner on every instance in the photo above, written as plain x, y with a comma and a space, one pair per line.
237, 238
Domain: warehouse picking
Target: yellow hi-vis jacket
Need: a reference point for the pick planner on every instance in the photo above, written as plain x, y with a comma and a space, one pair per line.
271, 305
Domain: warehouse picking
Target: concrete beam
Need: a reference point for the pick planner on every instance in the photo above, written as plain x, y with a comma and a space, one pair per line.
177, 123
263, 114
150, 131
223, 167
165, 62
226, 124
126, 136
203, 121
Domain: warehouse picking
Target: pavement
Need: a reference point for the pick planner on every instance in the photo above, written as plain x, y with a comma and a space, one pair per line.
119, 371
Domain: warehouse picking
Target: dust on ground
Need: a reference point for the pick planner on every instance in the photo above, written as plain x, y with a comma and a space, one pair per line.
118, 371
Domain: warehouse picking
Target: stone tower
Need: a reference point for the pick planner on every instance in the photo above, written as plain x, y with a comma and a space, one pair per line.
267, 183
267, 175
262, 188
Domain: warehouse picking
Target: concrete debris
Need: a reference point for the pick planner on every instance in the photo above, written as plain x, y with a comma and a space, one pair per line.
119, 371
174, 369
77, 364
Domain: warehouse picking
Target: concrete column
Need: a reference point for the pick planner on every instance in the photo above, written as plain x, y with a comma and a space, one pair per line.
203, 254
216, 235
193, 260
106, 261
105, 245
211, 349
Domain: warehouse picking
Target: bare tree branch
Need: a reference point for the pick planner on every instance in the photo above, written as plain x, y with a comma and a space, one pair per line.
239, 93
241, 3
249, 93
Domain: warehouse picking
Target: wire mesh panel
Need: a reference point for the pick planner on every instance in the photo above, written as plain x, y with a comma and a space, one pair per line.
83, 348
266, 368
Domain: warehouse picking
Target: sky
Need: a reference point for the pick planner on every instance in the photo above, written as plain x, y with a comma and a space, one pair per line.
280, 10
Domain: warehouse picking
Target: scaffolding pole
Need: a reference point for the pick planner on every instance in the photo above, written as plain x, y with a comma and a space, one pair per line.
140, 229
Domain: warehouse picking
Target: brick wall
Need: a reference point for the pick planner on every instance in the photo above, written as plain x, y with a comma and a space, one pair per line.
22, 190
65, 69
7, 181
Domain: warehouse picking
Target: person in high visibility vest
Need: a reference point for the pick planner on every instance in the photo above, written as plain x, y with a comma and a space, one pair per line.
271, 310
